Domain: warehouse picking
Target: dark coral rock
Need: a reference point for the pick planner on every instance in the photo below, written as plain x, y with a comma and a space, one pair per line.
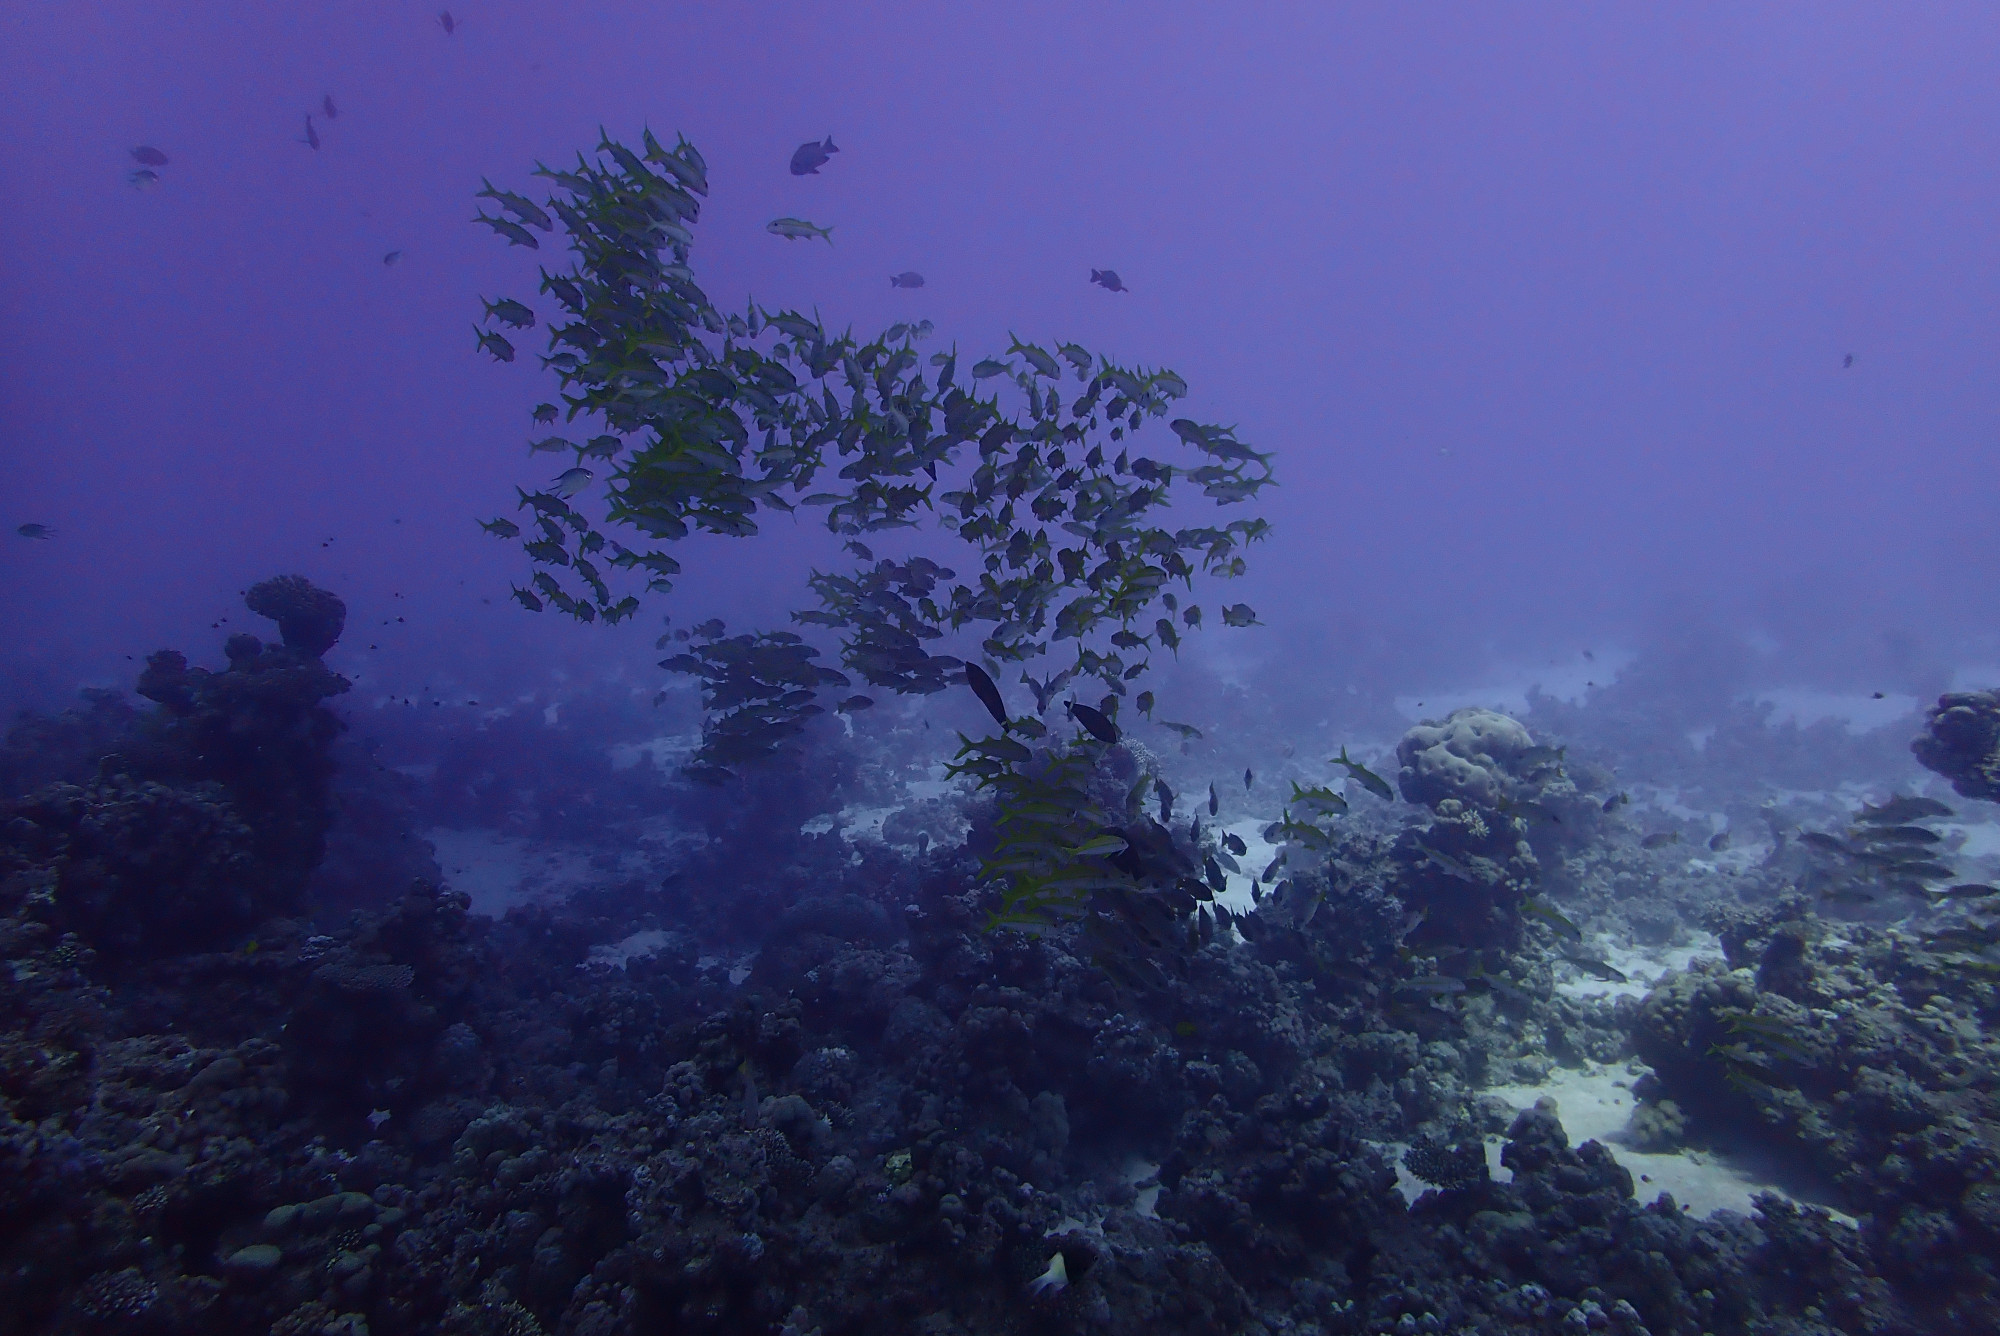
309, 618
1961, 741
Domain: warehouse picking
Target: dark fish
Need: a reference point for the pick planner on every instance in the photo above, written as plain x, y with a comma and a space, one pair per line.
1897, 835
1925, 871
1902, 808
41, 531
392, 257
1108, 280
495, 344
909, 278
853, 704
812, 155
1597, 969
1451, 866
312, 135
1847, 361
446, 22
1660, 839
988, 693
527, 600
142, 178
1165, 796
1234, 843
797, 229
1248, 780
510, 312
1616, 800
1825, 843
1368, 779
326, 105
545, 413
1214, 805
148, 156
513, 231
1718, 841
501, 528
1272, 870
1970, 890
1432, 985
1094, 722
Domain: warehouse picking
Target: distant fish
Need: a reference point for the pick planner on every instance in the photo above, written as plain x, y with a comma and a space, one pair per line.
1847, 361
545, 413
909, 278
495, 343
1108, 280
1367, 778
1248, 779
1825, 843
501, 528
797, 229
571, 481
1214, 803
41, 531
1616, 801
446, 22
392, 257
508, 228
142, 178
812, 155
510, 312
312, 135
148, 156
1660, 839
1718, 841
1432, 985
326, 105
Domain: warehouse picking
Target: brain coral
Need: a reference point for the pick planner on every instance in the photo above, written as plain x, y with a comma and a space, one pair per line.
1470, 756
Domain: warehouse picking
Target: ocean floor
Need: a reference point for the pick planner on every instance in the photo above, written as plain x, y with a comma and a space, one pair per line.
1595, 1103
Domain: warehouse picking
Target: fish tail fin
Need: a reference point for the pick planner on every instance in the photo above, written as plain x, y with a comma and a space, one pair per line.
830, 146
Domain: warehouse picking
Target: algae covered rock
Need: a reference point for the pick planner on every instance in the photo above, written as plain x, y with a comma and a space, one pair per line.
1473, 755
1961, 741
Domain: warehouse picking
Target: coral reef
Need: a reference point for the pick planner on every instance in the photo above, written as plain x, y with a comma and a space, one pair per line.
1961, 741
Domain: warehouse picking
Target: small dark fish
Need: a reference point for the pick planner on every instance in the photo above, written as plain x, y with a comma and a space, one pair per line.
1879, 696
909, 278
545, 413
1368, 779
142, 178
41, 531
1925, 871
312, 135
1094, 722
988, 693
501, 528
392, 257
1660, 839
1165, 796
1234, 843
148, 156
1272, 870
1825, 843
326, 105
1248, 780
1616, 801
812, 155
495, 344
1847, 895
853, 704
1214, 804
1108, 280
446, 22
1902, 808
1597, 969
1847, 361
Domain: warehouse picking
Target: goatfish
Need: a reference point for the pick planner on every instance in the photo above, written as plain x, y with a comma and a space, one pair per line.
797, 229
